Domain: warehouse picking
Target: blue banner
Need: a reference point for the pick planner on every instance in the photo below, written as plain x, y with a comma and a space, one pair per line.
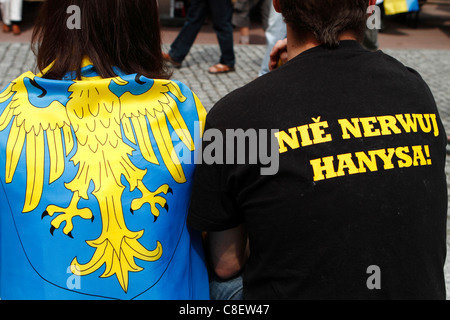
400, 6
95, 184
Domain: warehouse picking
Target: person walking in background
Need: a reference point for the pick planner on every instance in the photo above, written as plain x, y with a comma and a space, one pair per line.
241, 16
276, 30
221, 14
371, 34
11, 15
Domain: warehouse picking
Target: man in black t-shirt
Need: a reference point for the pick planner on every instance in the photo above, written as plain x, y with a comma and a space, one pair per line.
357, 208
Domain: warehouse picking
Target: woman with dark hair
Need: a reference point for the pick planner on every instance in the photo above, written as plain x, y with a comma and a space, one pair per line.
97, 160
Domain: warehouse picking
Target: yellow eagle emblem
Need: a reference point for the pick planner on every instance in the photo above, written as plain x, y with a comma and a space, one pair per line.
92, 123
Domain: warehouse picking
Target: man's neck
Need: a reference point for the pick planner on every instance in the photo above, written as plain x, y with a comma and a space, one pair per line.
297, 46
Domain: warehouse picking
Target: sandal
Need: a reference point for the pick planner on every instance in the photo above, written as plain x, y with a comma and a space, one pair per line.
220, 68
245, 40
16, 30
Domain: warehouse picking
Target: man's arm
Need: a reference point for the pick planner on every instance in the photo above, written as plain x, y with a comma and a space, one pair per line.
227, 251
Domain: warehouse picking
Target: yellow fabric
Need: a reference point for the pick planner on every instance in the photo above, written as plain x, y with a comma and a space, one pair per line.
395, 6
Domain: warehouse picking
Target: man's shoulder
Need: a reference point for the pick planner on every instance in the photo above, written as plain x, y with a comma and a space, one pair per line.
249, 99
393, 64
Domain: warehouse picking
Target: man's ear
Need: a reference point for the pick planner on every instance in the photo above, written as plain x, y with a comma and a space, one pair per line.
276, 5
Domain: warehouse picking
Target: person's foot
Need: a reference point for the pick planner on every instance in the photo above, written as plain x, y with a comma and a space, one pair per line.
16, 29
244, 40
169, 59
6, 28
220, 68
244, 35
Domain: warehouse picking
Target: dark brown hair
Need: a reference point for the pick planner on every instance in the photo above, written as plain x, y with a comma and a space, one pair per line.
113, 33
326, 19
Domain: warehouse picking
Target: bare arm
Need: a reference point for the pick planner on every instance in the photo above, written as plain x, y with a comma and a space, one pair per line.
228, 251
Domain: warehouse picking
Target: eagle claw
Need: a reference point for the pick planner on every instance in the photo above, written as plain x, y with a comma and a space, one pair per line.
44, 214
66, 215
152, 198
52, 229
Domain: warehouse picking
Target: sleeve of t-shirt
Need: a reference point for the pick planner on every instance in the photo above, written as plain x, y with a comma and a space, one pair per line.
213, 205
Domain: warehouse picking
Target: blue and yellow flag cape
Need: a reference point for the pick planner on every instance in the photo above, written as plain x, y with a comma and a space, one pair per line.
400, 6
95, 180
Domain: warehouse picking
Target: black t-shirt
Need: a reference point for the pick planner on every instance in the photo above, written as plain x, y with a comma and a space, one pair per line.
357, 209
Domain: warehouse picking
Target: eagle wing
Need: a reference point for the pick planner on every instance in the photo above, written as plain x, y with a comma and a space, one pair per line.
31, 126
153, 111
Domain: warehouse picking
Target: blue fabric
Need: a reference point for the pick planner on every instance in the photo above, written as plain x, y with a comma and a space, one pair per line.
413, 5
401, 6
95, 181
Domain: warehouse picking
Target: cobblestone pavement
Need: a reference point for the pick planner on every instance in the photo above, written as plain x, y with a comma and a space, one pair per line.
433, 65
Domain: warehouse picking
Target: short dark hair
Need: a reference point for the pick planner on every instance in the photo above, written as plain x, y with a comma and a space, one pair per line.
326, 19
113, 33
